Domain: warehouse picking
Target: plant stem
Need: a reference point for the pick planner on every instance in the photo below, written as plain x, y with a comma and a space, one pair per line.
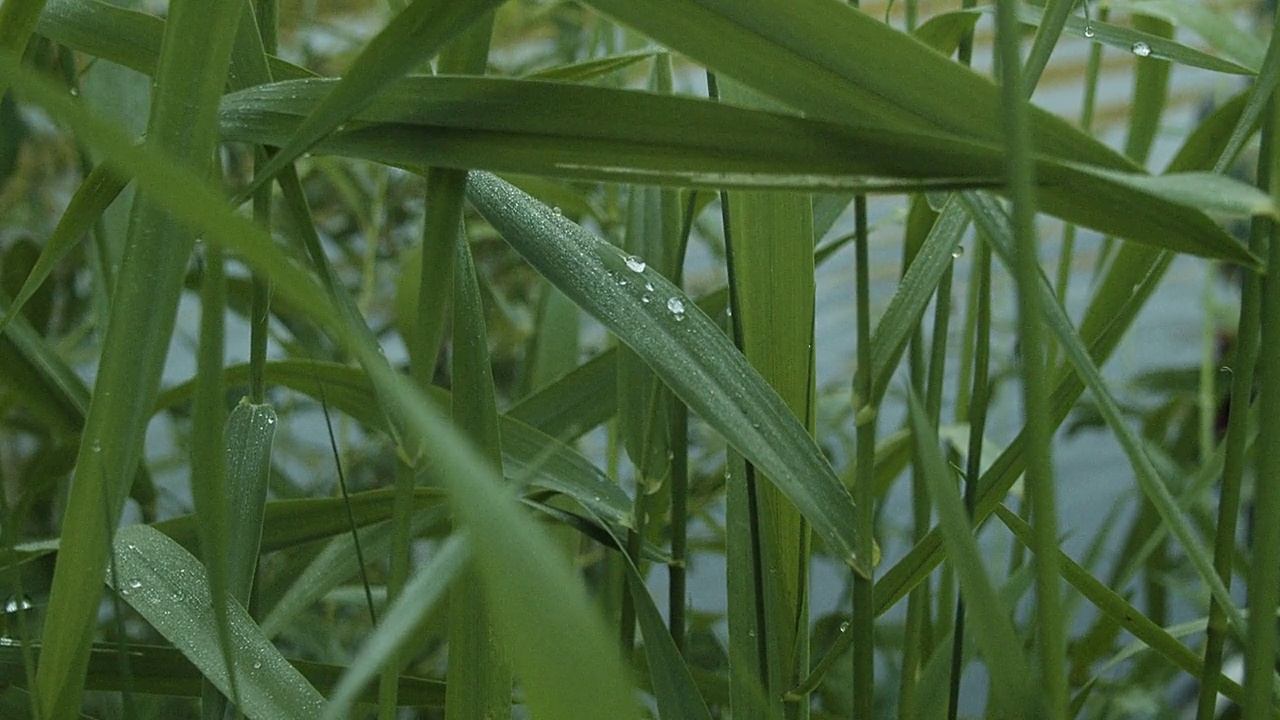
1052, 640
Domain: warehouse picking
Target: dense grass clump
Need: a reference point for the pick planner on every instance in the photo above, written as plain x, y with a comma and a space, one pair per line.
637, 358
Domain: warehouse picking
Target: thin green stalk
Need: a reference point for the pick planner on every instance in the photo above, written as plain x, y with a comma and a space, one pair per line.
1207, 398
769, 249
938, 349
915, 629
977, 417
1049, 620
1264, 576
441, 225
864, 618
208, 462
1087, 108
268, 14
1242, 377
677, 571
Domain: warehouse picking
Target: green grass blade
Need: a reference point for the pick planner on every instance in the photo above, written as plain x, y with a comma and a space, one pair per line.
1150, 92
684, 347
400, 625
39, 379
250, 432
479, 678
528, 454
1149, 480
127, 37
826, 60
162, 670
1264, 575
338, 562
98, 191
411, 38
1034, 357
1213, 26
168, 587
1119, 610
768, 243
189, 81
674, 687
992, 630
480, 682
209, 461
908, 304
1116, 36
557, 129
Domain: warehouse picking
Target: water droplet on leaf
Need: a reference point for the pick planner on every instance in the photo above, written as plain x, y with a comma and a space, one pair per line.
958, 252
1141, 49
676, 306
1088, 31
635, 264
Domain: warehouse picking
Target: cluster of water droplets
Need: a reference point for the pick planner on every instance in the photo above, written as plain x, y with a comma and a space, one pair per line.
636, 264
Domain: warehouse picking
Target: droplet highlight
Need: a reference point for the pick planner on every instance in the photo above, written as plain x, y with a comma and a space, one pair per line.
635, 264
557, 211
1141, 49
1088, 31
958, 252
676, 306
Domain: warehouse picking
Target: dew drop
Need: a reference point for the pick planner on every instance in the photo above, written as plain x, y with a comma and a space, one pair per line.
97, 446
645, 299
648, 287
1141, 49
257, 665
958, 252
635, 264
558, 212
135, 583
844, 626
1088, 31
676, 306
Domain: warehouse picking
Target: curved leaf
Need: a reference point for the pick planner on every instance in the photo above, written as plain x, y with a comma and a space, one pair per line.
168, 587
582, 132
683, 346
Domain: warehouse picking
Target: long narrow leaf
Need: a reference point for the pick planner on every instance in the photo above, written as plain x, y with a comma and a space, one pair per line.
683, 346
168, 587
